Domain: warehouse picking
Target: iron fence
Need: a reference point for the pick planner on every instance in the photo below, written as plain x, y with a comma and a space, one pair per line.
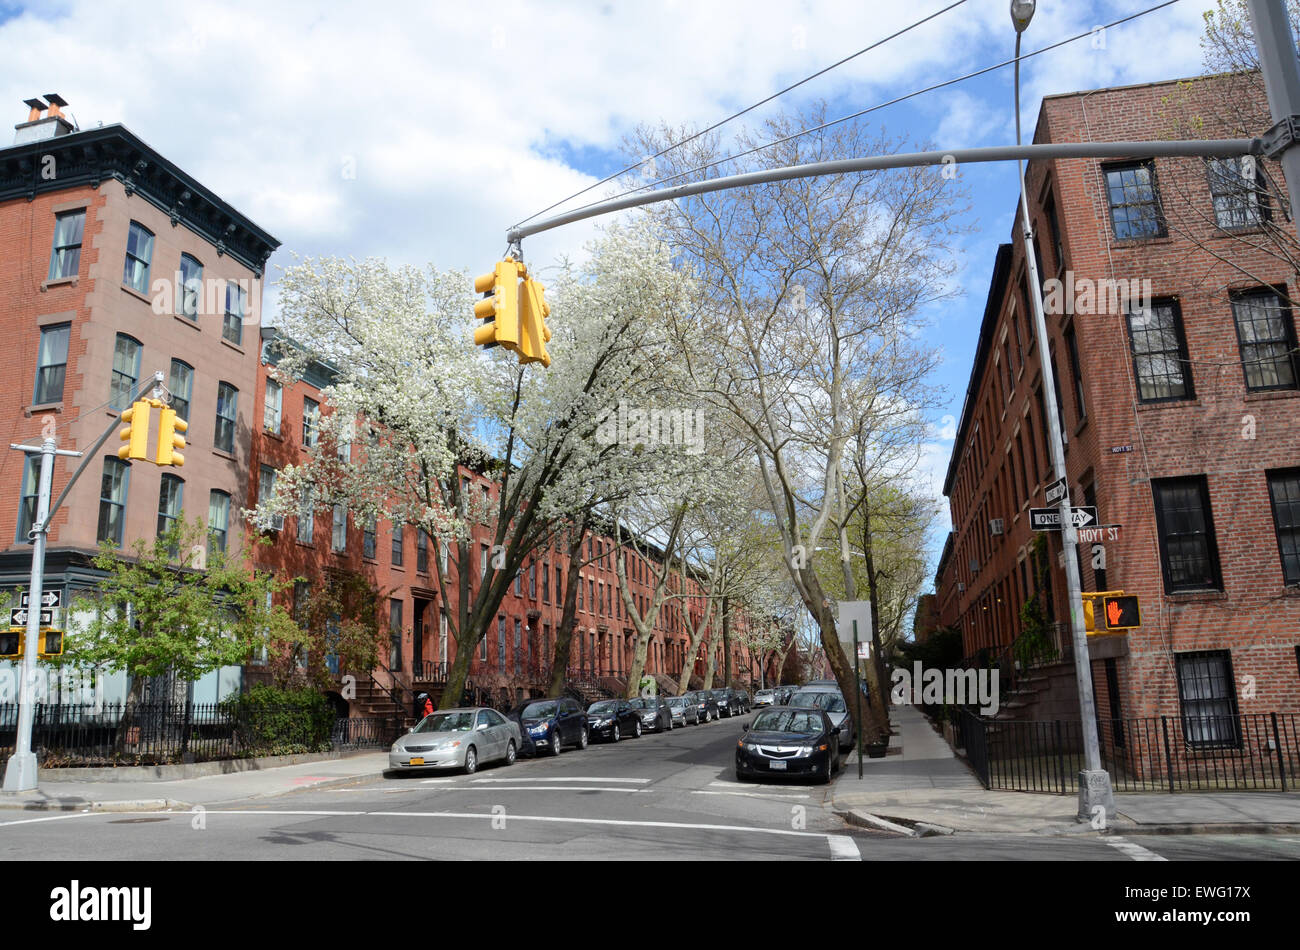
364, 733
112, 734
1251, 752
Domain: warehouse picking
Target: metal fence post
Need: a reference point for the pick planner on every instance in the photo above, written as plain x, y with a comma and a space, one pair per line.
1277, 749
1169, 759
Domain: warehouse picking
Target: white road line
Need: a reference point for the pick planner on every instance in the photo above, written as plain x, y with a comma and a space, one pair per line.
80, 814
488, 816
563, 788
770, 798
844, 848
436, 781
574, 778
1134, 851
792, 793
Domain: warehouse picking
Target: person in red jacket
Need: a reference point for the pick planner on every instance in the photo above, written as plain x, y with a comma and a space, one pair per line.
427, 708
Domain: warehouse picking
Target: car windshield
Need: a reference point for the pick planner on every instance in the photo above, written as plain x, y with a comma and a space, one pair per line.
787, 720
641, 704
814, 699
602, 708
447, 722
539, 711
676, 701
833, 702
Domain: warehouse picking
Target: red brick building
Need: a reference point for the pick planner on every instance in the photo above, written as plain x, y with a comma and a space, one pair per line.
1179, 391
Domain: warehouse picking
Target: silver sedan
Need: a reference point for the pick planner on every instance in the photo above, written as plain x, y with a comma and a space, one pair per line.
684, 710
456, 739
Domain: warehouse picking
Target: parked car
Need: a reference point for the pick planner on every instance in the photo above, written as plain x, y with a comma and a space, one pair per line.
728, 703
832, 701
764, 697
655, 714
456, 739
745, 703
550, 725
785, 740
706, 707
613, 719
685, 710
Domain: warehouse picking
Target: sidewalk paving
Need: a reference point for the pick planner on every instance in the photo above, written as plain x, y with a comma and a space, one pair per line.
926, 789
205, 790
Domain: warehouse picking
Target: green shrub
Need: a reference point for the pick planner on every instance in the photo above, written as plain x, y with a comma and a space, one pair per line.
274, 721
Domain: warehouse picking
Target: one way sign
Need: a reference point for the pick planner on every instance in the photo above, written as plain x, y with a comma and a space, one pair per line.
1049, 519
18, 617
49, 598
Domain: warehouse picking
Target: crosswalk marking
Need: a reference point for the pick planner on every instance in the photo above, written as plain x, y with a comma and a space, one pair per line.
572, 778
844, 848
1133, 850
770, 798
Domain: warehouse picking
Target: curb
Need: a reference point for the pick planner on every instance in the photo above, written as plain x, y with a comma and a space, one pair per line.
864, 819
1219, 828
137, 804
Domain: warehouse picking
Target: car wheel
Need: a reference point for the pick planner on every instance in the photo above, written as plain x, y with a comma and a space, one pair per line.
556, 747
511, 752
670, 725
471, 761
583, 739
616, 735
636, 734
830, 769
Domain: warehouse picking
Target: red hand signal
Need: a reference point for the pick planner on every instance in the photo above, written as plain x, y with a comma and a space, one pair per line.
1113, 612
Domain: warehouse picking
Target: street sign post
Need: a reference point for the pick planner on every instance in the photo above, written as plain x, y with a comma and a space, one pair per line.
1049, 519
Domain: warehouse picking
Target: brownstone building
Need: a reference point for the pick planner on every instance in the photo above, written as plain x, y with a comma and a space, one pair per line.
1173, 344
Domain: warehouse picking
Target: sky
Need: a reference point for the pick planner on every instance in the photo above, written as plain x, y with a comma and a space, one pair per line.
419, 132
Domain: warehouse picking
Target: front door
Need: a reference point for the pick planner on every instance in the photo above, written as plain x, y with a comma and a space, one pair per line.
418, 666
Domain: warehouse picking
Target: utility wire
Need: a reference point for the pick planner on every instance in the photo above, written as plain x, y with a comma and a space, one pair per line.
736, 115
859, 114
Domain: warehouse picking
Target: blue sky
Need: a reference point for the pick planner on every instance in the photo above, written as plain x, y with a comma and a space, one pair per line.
419, 132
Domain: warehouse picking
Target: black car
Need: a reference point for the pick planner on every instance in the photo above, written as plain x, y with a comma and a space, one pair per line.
787, 740
728, 702
743, 696
550, 725
613, 719
706, 705
655, 714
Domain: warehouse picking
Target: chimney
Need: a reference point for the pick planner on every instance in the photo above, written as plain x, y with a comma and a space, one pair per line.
38, 127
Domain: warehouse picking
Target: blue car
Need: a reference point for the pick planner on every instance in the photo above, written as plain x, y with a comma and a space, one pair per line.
548, 725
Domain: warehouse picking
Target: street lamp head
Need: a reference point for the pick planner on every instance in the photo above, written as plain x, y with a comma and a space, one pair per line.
1022, 11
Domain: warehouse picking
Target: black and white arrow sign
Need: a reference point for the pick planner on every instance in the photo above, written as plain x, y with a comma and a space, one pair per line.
1049, 519
49, 598
18, 617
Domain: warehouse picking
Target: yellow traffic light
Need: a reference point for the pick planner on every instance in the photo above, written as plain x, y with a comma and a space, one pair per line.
169, 438
136, 432
11, 643
50, 643
534, 333
500, 311
1089, 623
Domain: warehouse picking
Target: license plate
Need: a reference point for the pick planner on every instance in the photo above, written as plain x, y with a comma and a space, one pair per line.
776, 765
419, 760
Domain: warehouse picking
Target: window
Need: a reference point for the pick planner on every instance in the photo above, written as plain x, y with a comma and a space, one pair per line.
1208, 697
422, 551
368, 538
126, 371
1134, 201
218, 520
483, 648
397, 544
27, 503
306, 517
501, 644
532, 581
442, 554
1266, 336
180, 383
265, 492
310, 421
271, 410
1188, 551
65, 256
232, 324
301, 597
189, 288
580, 599
139, 252
1284, 493
343, 448
1159, 348
169, 502
112, 502
227, 408
52, 364
519, 582
1054, 225
559, 585
1076, 370
546, 584
339, 536
1234, 192
482, 561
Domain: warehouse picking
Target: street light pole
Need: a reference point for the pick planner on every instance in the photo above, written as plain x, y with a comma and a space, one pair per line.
1094, 782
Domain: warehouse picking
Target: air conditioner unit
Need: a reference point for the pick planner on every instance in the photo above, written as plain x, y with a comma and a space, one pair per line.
996, 526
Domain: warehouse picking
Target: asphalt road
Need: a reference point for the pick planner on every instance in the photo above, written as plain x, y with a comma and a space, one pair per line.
669, 796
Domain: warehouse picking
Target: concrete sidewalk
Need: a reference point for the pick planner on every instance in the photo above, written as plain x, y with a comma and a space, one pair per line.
927, 790
202, 790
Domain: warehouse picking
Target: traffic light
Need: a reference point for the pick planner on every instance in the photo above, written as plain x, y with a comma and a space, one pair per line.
136, 433
500, 309
1121, 612
1089, 620
170, 427
534, 334
50, 643
11, 643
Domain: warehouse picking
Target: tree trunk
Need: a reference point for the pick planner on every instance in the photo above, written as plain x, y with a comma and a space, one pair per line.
726, 643
872, 590
564, 636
